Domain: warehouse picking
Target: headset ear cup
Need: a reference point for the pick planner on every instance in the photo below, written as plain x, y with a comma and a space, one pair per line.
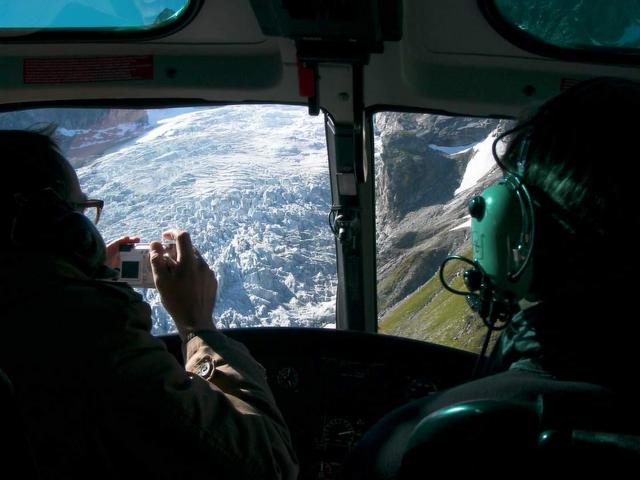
81, 243
49, 225
501, 237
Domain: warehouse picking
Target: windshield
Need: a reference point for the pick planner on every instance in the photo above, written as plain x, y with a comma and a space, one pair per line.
250, 183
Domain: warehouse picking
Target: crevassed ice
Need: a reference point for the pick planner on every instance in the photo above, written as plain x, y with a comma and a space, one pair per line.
251, 184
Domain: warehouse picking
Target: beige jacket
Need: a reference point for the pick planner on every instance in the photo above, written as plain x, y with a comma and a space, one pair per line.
102, 398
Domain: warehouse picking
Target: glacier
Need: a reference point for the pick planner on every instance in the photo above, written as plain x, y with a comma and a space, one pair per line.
480, 163
251, 185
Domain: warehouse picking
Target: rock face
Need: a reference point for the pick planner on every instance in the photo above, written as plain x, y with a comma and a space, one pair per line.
82, 134
422, 158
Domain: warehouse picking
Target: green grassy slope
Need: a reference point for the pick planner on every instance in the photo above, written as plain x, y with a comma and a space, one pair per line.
433, 314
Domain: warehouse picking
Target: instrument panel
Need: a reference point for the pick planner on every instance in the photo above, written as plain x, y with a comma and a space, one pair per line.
333, 385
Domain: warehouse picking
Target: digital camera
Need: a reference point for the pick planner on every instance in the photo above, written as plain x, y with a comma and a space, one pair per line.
135, 265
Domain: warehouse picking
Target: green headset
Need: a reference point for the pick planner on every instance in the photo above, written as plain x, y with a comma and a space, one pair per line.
502, 235
503, 230
504, 215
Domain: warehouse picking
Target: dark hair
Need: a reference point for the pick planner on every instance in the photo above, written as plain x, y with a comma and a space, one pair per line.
579, 150
34, 217
577, 155
31, 162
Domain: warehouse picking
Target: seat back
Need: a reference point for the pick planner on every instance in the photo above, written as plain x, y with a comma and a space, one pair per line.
470, 436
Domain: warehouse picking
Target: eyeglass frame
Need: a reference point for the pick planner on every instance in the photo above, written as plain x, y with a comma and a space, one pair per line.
21, 199
89, 203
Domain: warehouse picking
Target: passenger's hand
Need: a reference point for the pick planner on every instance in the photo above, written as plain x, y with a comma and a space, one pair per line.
113, 251
186, 284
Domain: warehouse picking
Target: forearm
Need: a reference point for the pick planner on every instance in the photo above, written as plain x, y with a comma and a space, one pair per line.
228, 366
230, 418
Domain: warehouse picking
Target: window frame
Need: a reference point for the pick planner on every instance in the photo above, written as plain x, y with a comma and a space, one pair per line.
533, 44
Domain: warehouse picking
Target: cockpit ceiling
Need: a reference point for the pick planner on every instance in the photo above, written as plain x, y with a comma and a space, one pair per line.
448, 58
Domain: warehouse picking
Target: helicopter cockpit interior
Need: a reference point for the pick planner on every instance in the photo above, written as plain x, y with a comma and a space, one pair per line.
321, 152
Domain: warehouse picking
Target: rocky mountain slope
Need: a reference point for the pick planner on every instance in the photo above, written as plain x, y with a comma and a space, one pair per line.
428, 167
83, 134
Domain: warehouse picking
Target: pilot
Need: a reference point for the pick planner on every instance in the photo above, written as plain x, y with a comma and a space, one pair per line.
99, 395
557, 224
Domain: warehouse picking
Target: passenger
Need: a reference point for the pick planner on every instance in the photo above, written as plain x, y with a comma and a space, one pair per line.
575, 339
100, 396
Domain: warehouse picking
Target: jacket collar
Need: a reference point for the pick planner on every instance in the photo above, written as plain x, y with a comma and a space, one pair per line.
23, 270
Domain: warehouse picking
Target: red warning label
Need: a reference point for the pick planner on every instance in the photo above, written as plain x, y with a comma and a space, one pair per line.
88, 69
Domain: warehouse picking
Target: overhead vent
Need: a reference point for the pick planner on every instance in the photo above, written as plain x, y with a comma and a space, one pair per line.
365, 22
335, 9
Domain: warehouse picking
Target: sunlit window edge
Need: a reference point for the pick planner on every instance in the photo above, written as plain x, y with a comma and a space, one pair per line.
173, 20
512, 31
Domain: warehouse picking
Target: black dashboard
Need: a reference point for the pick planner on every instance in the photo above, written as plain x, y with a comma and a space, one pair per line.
333, 385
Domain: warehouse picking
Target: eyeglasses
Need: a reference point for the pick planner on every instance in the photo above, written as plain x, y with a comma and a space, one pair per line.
90, 208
